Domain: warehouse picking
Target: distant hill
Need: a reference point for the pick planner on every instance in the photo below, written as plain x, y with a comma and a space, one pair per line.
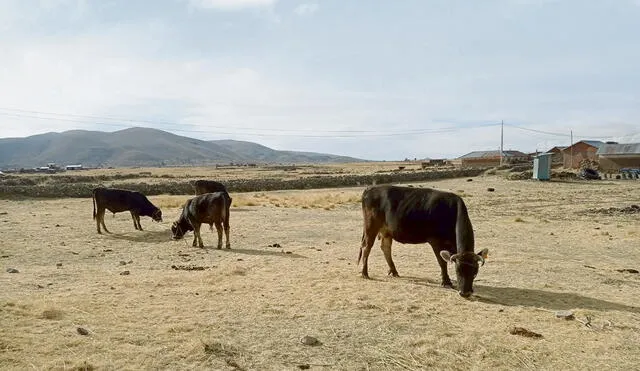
142, 147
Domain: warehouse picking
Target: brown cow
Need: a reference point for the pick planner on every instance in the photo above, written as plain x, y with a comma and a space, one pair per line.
118, 200
419, 215
209, 208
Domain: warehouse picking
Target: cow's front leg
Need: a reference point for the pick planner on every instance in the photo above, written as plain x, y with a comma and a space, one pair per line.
446, 281
385, 245
196, 232
133, 216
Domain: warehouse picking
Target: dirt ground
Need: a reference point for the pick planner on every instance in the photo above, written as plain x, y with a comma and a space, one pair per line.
181, 307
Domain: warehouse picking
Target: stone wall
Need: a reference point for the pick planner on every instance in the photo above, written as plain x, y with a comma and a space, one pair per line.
76, 189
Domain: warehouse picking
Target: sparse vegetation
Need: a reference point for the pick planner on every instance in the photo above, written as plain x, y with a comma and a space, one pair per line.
291, 274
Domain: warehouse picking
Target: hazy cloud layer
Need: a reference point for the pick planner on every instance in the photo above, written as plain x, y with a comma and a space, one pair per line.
387, 81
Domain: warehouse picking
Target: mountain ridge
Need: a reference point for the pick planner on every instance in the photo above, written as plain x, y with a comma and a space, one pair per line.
139, 146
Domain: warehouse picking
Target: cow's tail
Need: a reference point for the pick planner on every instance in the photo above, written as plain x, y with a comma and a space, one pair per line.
361, 246
224, 213
228, 214
464, 229
93, 194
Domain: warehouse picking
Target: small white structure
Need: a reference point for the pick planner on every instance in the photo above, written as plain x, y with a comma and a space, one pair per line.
74, 167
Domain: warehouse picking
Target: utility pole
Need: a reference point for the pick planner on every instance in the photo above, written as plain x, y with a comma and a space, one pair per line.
501, 140
571, 149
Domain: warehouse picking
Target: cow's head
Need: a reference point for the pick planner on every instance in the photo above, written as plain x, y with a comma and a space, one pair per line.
467, 265
157, 215
179, 228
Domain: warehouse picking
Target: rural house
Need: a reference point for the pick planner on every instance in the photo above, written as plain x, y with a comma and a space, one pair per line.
556, 154
614, 156
490, 158
582, 150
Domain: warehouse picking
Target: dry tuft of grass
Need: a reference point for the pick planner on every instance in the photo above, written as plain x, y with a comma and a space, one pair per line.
84, 367
52, 314
239, 271
219, 349
320, 199
168, 201
518, 220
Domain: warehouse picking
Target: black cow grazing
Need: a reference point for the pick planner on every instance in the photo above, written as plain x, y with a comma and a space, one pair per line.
118, 200
417, 215
208, 186
209, 208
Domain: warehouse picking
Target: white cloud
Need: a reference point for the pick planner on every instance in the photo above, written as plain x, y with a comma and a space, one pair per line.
307, 9
231, 4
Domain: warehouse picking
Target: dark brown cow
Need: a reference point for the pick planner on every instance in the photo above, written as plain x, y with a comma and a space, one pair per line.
209, 208
208, 186
118, 200
417, 215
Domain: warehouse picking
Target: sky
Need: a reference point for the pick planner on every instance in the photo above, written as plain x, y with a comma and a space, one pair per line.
374, 79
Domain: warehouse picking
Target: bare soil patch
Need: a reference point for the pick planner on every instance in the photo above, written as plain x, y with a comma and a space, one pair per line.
291, 273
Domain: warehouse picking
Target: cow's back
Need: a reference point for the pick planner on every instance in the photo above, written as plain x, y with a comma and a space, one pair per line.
208, 208
413, 215
112, 199
208, 186
118, 200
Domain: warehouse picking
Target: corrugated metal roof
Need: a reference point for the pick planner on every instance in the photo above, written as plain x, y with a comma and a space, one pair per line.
619, 149
493, 154
595, 143
560, 148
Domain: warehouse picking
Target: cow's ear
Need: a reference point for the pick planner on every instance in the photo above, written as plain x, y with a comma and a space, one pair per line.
446, 255
484, 253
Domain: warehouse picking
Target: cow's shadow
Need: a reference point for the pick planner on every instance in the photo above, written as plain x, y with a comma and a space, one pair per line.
143, 236
260, 252
515, 296
212, 248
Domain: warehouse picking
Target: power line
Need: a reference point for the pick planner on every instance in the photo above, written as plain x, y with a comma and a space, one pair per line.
176, 127
13, 112
123, 122
538, 131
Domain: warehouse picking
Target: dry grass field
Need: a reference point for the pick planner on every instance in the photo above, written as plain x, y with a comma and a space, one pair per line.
247, 308
222, 173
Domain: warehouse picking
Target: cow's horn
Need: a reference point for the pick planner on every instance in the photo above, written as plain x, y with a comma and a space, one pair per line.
480, 259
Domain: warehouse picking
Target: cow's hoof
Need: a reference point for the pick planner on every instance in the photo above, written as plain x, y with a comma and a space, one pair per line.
228, 246
219, 247
447, 285
393, 274
365, 276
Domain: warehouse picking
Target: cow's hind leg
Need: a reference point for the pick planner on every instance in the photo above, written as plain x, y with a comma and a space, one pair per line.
100, 221
98, 217
368, 239
385, 245
437, 247
225, 225
219, 230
